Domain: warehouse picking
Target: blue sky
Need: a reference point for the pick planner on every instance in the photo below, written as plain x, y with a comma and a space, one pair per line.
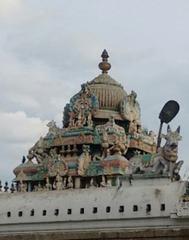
49, 48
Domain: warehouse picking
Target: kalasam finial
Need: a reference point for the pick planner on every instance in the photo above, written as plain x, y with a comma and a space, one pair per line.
104, 65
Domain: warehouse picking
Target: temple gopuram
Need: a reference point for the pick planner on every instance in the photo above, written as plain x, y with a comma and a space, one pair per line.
101, 132
102, 176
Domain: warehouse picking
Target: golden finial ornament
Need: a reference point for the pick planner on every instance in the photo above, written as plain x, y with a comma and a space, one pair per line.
104, 65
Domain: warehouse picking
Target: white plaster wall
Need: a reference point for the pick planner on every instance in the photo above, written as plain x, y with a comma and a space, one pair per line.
140, 193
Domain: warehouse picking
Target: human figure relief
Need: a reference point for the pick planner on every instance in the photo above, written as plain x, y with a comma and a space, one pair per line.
53, 129
92, 184
89, 120
48, 185
118, 148
130, 108
84, 160
59, 184
23, 186
133, 128
103, 182
70, 182
104, 144
65, 183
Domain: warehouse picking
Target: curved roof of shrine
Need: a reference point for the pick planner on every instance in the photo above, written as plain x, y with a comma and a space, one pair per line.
109, 92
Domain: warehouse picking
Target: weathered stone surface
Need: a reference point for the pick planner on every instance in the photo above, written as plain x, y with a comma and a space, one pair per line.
157, 234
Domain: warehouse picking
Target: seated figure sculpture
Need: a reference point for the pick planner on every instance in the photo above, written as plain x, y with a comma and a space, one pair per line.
165, 161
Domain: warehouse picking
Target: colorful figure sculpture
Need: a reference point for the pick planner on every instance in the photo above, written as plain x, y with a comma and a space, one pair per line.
168, 154
101, 134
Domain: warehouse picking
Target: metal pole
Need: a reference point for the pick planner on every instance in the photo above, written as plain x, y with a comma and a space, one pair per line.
159, 136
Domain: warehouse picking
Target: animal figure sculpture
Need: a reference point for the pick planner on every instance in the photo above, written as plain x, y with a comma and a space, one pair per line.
37, 151
166, 158
53, 129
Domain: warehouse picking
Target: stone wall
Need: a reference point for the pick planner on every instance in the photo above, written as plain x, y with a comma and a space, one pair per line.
148, 234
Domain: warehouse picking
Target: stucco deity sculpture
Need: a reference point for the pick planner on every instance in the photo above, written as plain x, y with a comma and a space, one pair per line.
56, 164
118, 148
130, 108
53, 129
37, 151
103, 182
101, 134
48, 185
78, 112
168, 154
92, 184
59, 183
104, 144
23, 187
133, 129
84, 160
70, 182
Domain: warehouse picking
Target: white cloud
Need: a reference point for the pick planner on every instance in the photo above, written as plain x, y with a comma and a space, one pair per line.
19, 129
18, 133
9, 6
24, 100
